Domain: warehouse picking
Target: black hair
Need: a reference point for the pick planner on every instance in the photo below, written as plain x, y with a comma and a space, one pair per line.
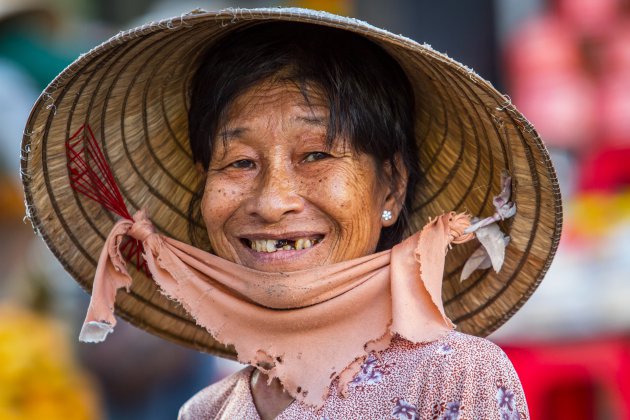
370, 99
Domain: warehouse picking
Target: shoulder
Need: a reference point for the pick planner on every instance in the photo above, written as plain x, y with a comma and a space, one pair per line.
454, 349
461, 355
472, 350
456, 376
453, 362
210, 400
468, 375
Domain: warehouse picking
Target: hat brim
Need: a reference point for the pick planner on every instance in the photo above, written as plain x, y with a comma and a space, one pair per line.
133, 92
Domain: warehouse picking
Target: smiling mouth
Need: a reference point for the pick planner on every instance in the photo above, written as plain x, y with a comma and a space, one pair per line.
273, 245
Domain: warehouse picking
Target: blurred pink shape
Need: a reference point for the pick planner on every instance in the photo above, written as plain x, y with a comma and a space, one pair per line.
615, 55
613, 109
544, 44
560, 105
589, 17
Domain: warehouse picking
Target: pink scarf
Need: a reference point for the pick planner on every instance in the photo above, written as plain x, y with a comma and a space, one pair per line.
307, 327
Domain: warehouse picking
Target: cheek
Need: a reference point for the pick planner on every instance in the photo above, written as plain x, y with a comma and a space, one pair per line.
352, 200
342, 191
218, 205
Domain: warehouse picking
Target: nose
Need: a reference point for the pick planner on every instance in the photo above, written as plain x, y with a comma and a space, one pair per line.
276, 195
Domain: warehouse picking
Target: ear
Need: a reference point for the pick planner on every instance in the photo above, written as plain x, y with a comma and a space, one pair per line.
397, 189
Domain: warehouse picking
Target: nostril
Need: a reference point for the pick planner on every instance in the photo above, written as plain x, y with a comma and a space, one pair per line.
276, 193
272, 205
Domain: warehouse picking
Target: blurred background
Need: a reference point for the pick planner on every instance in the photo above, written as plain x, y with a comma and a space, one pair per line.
565, 65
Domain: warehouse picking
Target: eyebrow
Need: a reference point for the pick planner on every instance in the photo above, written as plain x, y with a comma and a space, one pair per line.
231, 133
316, 121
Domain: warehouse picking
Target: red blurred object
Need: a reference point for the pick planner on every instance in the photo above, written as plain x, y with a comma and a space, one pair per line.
606, 170
589, 17
579, 380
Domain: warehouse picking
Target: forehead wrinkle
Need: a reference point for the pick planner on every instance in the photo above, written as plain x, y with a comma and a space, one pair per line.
230, 133
308, 107
306, 114
313, 120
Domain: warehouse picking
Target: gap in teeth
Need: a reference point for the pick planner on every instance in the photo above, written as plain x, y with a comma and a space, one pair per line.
273, 245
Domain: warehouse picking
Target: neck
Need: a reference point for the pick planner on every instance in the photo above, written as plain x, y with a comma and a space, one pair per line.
269, 397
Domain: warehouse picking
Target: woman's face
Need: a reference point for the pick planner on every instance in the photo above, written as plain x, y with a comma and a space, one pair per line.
277, 199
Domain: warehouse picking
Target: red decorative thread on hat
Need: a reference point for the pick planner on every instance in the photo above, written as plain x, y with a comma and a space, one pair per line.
91, 176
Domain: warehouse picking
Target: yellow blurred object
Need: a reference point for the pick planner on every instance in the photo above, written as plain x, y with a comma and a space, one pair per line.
38, 377
11, 199
339, 7
597, 213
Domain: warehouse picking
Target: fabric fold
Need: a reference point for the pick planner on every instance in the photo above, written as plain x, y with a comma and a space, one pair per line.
284, 323
111, 274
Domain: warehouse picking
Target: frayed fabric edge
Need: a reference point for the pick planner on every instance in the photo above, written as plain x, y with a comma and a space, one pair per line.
95, 331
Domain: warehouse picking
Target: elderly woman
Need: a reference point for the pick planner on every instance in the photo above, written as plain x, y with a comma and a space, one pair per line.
287, 161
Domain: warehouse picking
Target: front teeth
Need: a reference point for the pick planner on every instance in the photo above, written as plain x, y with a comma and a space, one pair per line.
272, 245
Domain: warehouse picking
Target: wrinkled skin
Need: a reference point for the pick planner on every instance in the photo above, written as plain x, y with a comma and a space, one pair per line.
275, 178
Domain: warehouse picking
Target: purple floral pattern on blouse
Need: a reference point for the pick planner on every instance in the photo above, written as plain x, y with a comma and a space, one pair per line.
507, 404
404, 410
447, 410
371, 373
445, 349
452, 411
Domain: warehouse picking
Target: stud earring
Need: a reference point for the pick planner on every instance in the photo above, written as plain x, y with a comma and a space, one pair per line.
387, 215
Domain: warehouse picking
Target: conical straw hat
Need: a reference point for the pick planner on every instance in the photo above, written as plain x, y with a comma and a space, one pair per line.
132, 92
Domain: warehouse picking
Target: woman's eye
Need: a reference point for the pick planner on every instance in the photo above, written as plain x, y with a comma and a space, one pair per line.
242, 164
312, 157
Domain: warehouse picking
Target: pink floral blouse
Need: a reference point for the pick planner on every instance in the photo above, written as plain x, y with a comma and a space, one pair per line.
455, 378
